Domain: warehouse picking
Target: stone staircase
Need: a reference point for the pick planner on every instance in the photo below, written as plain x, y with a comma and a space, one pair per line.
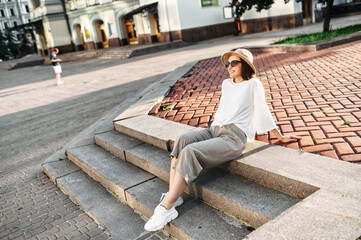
116, 171
219, 204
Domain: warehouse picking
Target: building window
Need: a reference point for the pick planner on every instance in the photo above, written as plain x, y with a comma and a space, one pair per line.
2, 12
15, 24
207, 3
111, 28
6, 25
12, 13
27, 8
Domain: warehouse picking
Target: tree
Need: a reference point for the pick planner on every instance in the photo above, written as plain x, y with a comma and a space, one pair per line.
12, 45
3, 47
326, 22
25, 47
244, 5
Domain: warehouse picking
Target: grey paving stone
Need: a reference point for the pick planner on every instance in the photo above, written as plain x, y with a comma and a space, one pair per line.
116, 143
196, 219
107, 169
119, 218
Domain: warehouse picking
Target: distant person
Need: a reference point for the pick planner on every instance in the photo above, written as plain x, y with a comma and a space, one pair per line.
242, 113
56, 65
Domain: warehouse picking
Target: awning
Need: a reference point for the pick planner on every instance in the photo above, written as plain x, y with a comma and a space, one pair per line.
142, 8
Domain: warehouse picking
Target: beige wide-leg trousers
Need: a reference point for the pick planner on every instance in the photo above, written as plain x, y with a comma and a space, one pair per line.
206, 148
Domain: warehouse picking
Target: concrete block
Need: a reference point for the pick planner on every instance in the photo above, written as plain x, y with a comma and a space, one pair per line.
242, 198
196, 219
296, 173
114, 174
154, 160
116, 143
58, 169
303, 222
155, 131
120, 220
334, 202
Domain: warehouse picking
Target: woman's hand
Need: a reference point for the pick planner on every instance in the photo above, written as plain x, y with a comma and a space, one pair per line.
285, 139
290, 138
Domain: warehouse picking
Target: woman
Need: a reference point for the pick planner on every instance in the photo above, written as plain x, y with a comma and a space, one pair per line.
241, 114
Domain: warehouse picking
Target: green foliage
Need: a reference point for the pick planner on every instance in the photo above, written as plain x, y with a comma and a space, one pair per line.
12, 45
260, 5
321, 35
3, 47
25, 47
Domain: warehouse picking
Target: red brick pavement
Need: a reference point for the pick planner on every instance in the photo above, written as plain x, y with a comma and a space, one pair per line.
314, 95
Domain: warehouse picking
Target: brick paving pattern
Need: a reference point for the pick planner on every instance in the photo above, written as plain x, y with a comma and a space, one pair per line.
314, 95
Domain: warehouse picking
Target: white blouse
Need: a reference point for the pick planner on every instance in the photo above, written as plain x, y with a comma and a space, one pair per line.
244, 104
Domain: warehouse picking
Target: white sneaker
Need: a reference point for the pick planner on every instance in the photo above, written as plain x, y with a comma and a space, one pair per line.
60, 82
176, 204
160, 218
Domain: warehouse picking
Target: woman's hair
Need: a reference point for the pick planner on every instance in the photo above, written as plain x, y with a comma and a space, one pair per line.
56, 50
246, 71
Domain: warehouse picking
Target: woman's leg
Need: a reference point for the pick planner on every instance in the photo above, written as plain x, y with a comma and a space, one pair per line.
181, 142
178, 186
173, 165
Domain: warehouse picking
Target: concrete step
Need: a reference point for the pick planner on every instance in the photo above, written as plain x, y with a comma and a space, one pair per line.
233, 194
152, 130
141, 191
162, 134
117, 217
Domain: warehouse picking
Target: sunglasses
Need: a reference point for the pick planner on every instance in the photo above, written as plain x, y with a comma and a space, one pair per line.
232, 63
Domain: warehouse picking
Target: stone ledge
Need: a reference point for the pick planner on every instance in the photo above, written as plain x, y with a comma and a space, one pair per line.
306, 47
155, 131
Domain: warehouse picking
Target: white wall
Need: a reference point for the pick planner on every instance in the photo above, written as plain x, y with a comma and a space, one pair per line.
58, 34
193, 15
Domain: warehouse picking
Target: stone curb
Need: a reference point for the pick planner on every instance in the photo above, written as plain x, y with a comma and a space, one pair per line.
306, 47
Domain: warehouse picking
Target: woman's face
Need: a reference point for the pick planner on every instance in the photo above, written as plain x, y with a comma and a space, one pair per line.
235, 71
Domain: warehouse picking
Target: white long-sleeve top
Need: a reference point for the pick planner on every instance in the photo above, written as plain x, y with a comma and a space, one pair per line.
244, 104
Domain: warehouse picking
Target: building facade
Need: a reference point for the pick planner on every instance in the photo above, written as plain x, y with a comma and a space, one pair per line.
73, 25
13, 13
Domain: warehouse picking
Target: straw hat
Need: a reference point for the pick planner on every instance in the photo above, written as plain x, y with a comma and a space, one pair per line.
243, 54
